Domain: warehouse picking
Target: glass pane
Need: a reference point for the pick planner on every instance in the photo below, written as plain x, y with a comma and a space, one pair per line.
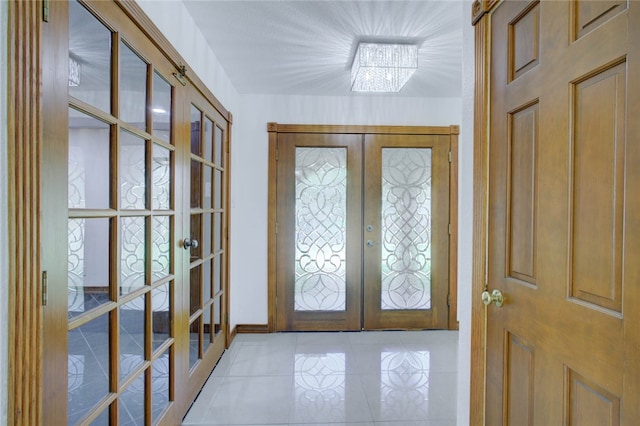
218, 147
196, 234
196, 136
160, 385
132, 256
132, 403
89, 143
217, 274
161, 108
206, 234
102, 419
160, 248
320, 234
195, 285
207, 186
133, 168
406, 228
132, 320
217, 314
207, 280
89, 58
217, 202
207, 338
88, 366
194, 342
161, 305
133, 88
88, 264
196, 183
208, 139
161, 165
217, 232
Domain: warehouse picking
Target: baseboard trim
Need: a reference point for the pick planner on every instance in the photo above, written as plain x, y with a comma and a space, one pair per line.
251, 328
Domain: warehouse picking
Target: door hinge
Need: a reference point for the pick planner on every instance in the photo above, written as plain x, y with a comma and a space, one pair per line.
45, 289
276, 228
45, 10
226, 317
277, 154
449, 229
449, 156
449, 300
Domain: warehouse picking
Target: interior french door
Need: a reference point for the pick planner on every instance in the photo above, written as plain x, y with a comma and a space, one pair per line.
362, 231
135, 244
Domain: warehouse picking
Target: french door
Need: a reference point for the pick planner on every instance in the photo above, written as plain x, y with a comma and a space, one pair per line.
362, 231
136, 313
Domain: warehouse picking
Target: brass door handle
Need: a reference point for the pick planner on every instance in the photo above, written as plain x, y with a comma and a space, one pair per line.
495, 296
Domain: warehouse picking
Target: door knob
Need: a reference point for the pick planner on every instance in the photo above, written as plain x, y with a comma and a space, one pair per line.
371, 243
495, 296
190, 243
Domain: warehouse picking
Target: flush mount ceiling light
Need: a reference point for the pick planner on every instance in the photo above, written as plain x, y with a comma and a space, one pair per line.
383, 67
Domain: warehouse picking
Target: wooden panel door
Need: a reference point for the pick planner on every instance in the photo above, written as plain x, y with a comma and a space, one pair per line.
406, 231
563, 228
319, 231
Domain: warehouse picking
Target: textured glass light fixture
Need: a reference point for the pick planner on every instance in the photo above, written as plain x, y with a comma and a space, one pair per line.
383, 67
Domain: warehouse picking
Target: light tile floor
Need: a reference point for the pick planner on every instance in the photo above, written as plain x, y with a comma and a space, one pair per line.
399, 378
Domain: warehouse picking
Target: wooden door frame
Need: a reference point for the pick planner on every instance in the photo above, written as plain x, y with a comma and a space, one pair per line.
32, 99
274, 128
481, 19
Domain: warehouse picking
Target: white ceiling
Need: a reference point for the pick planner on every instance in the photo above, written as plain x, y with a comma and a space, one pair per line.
305, 47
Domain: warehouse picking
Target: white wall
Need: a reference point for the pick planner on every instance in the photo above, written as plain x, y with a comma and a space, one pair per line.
177, 25
465, 216
4, 270
249, 171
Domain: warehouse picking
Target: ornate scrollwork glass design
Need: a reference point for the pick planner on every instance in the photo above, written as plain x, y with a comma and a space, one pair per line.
132, 171
161, 165
320, 233
160, 247
406, 228
132, 261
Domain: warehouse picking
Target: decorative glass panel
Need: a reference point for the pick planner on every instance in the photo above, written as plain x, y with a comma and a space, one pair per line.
208, 186
320, 233
132, 255
196, 183
133, 169
196, 131
406, 228
88, 162
195, 293
160, 304
217, 274
161, 165
194, 342
132, 319
88, 264
160, 385
208, 139
132, 403
206, 234
88, 366
133, 87
217, 232
161, 108
160, 247
218, 147
208, 329
207, 280
217, 202
89, 58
